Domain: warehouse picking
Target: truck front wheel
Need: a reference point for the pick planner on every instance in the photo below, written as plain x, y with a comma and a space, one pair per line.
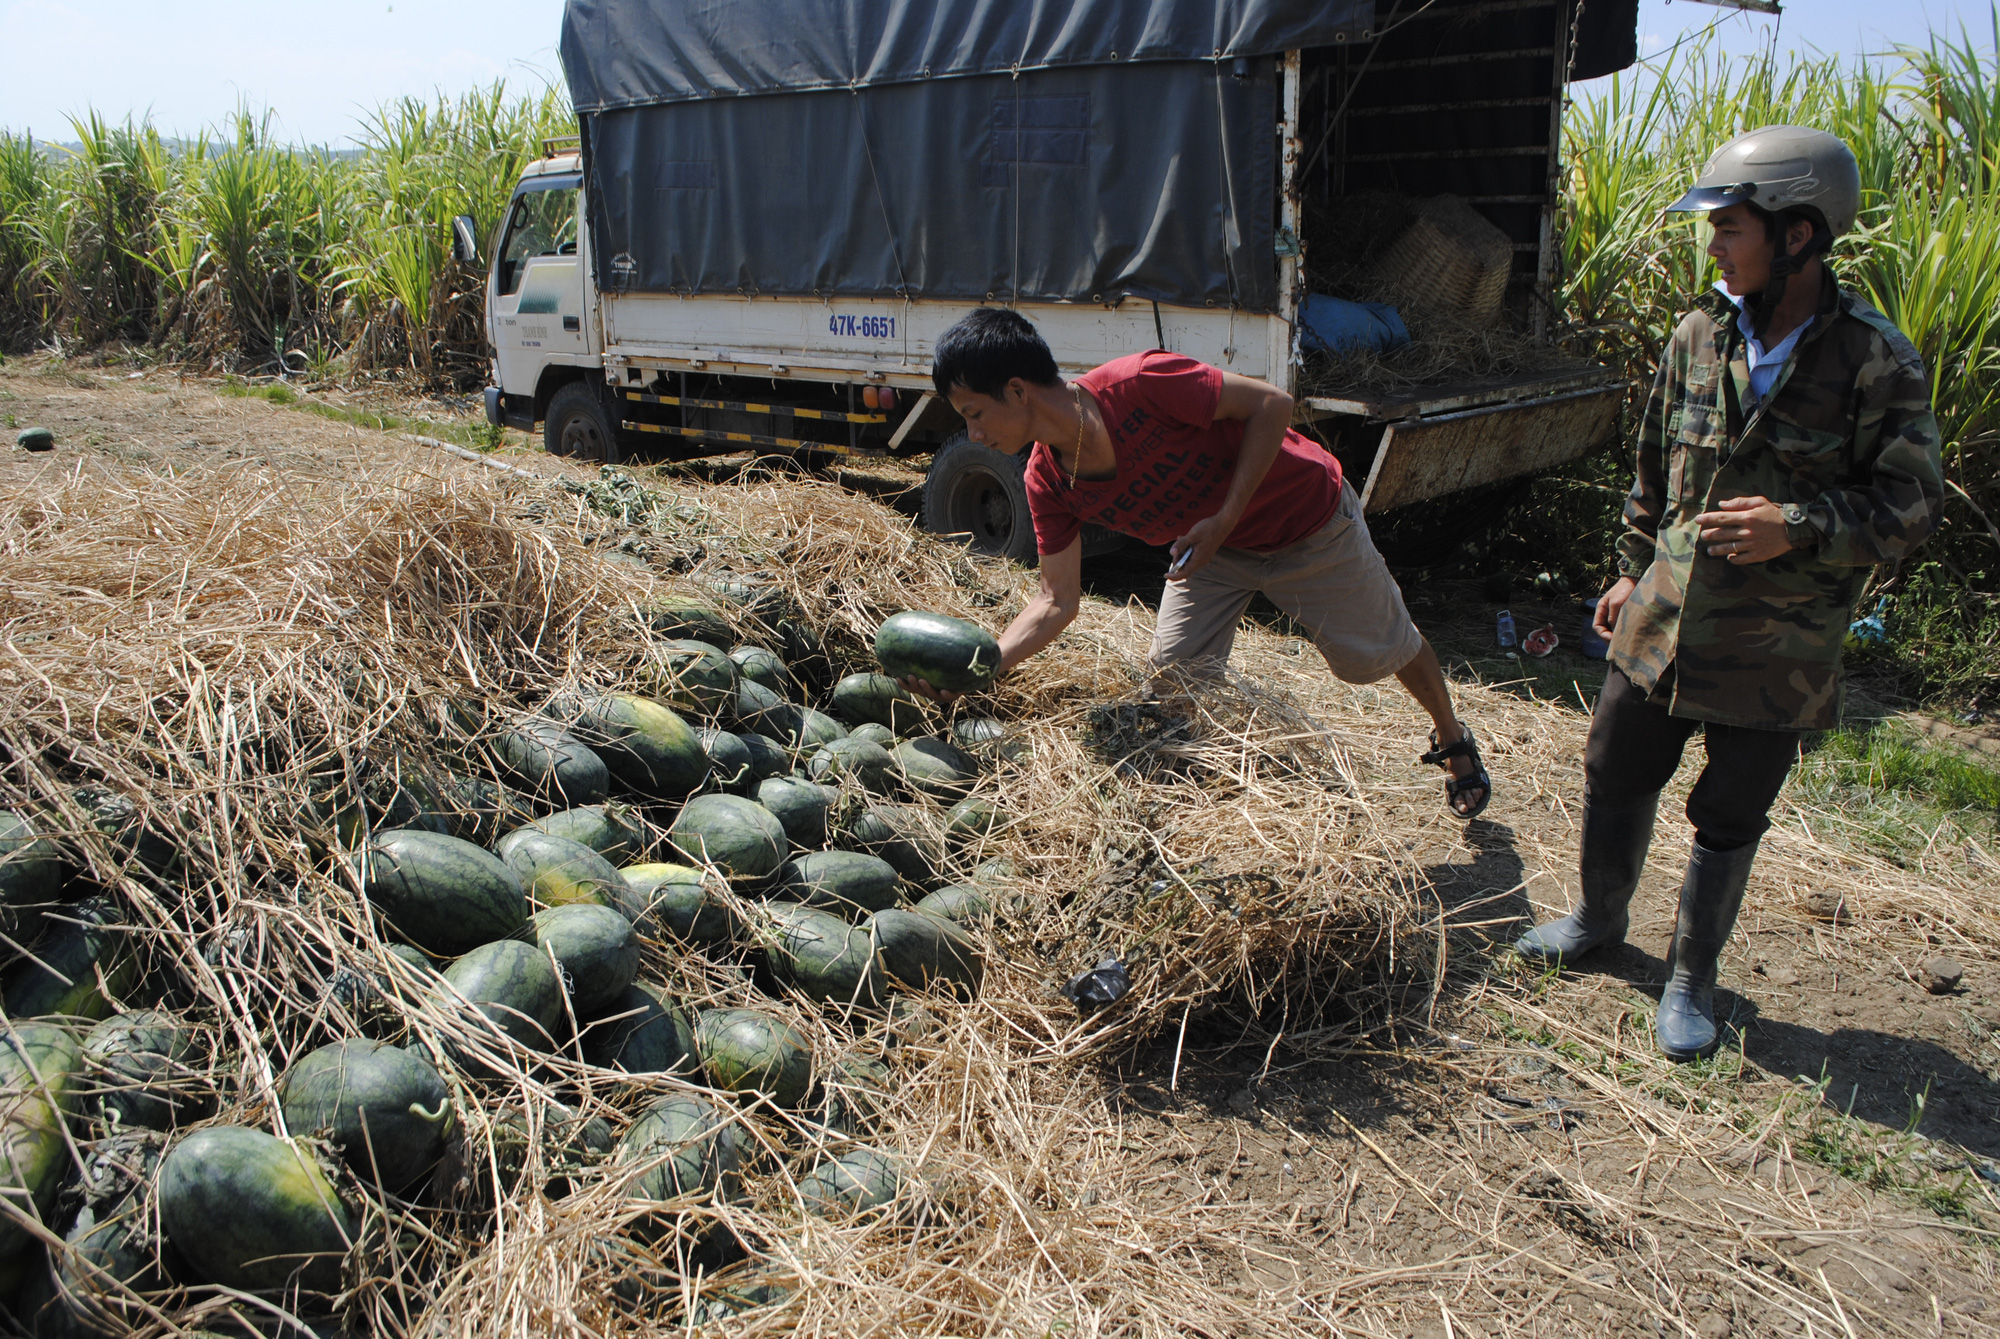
981, 494
578, 424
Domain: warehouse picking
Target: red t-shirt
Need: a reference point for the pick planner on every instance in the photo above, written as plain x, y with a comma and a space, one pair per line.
1175, 460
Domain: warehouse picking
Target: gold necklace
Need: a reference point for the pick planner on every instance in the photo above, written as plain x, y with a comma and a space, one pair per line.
1076, 460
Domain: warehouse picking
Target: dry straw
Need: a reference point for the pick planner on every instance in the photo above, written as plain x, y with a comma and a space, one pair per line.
241, 649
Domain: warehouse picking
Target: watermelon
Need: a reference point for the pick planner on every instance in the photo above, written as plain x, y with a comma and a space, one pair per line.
569, 1142
694, 676
874, 734
612, 830
39, 1077
440, 893
853, 1094
802, 648
819, 955
866, 761
250, 1211
761, 666
997, 870
988, 740
130, 834
768, 758
31, 869
681, 1145
744, 840
817, 728
970, 822
856, 1182
82, 963
558, 872
763, 712
646, 744
671, 899
800, 806
842, 881
642, 1032
945, 652
900, 835
917, 949
544, 759
112, 1249
758, 597
729, 765
474, 807
132, 1062
515, 986
748, 1050
384, 1108
965, 903
877, 699
596, 948
692, 620
935, 767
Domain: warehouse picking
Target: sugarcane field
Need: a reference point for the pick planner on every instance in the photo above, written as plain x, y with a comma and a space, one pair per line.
1162, 669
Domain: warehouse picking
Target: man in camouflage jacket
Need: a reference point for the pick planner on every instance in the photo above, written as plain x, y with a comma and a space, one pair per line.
1787, 448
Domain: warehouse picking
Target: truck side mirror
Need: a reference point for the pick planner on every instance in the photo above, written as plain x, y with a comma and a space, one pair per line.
464, 240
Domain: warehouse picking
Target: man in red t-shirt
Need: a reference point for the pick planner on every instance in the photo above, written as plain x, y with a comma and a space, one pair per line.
1173, 451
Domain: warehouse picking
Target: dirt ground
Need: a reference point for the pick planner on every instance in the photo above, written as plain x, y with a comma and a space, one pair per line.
1507, 1156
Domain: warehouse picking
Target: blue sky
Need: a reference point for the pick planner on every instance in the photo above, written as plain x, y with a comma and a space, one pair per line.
320, 67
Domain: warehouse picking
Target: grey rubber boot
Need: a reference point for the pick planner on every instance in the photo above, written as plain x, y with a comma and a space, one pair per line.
1711, 895
1615, 838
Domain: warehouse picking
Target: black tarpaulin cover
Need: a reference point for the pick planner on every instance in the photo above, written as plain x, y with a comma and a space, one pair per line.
624, 53
1121, 159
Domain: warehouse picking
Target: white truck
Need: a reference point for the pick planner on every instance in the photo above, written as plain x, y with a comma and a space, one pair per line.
776, 207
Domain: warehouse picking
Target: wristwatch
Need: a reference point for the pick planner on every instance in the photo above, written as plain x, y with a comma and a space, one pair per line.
1799, 532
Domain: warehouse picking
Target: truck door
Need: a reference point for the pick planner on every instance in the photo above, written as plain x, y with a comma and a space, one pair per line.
537, 300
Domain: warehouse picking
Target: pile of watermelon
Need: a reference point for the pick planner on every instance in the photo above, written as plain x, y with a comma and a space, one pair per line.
838, 855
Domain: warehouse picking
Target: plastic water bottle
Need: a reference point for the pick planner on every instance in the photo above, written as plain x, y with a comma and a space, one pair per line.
1594, 646
1510, 642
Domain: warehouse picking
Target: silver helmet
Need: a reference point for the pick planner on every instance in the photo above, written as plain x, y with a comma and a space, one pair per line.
1778, 168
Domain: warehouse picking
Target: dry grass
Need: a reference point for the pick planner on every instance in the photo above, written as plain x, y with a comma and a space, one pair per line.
226, 642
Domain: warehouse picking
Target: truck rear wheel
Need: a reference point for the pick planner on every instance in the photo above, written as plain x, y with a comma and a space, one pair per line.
579, 425
981, 494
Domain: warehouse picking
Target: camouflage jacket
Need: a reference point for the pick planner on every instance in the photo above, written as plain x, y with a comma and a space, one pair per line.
1847, 434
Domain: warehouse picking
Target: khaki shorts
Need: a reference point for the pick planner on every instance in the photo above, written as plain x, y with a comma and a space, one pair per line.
1333, 584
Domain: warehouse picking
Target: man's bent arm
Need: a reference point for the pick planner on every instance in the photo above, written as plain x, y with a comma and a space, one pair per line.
1266, 413
1054, 607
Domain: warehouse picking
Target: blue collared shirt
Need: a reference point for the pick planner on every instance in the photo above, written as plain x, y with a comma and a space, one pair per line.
1765, 364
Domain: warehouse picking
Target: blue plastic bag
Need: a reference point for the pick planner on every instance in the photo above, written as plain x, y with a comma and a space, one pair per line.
1334, 325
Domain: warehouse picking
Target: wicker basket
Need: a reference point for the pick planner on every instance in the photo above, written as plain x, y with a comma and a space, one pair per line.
1451, 258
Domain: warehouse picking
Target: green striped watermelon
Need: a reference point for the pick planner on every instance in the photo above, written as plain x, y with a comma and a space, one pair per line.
965, 903
917, 949
444, 895
249, 1211
646, 744
877, 699
744, 840
762, 666
138, 1064
385, 1108
935, 767
729, 765
800, 806
558, 872
819, 955
945, 652
612, 830
695, 620
847, 882
40, 1068
515, 986
597, 949
642, 1032
748, 1050
856, 1182
82, 962
544, 759
671, 899
694, 676
866, 761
